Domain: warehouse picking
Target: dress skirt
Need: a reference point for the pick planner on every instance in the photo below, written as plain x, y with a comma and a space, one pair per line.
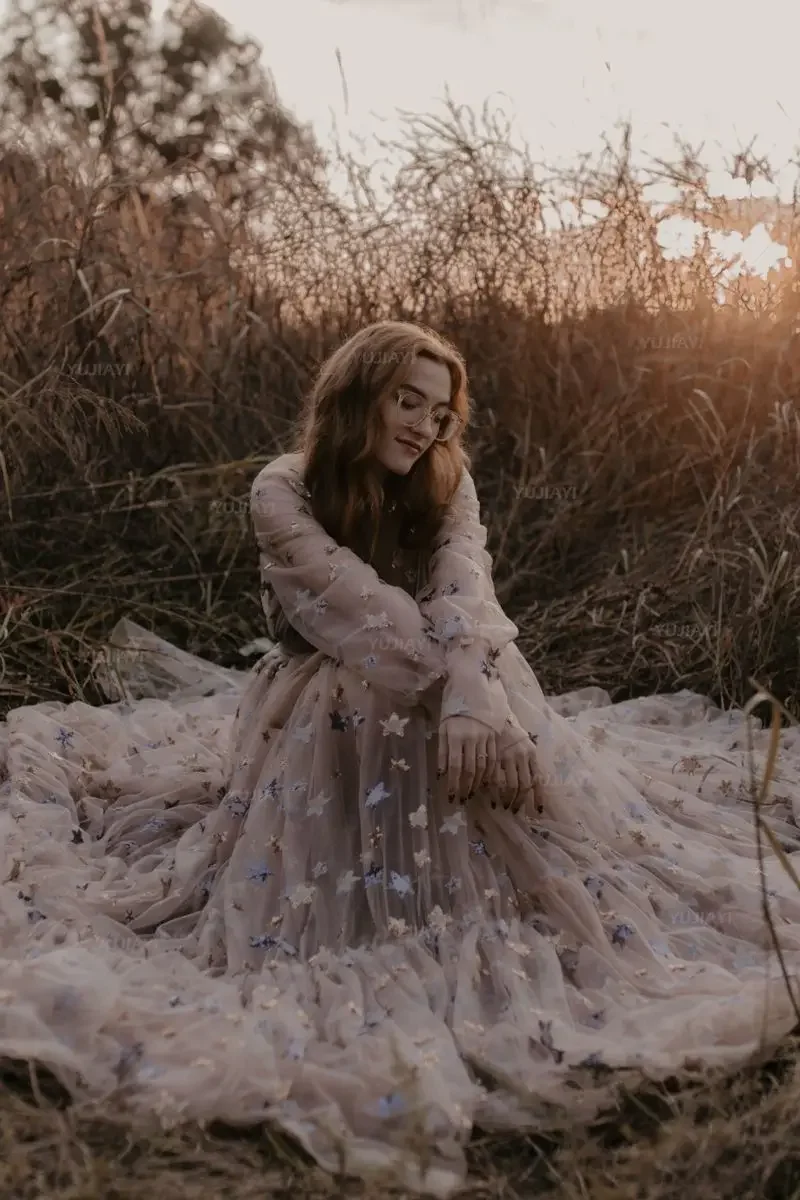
247, 895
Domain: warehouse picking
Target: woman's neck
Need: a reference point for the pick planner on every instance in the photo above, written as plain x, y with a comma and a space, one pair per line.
392, 491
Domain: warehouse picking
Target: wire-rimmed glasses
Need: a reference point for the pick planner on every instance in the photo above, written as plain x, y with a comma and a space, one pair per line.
413, 410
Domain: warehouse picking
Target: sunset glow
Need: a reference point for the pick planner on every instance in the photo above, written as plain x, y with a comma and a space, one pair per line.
566, 75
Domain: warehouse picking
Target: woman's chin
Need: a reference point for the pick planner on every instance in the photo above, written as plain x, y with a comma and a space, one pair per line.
398, 465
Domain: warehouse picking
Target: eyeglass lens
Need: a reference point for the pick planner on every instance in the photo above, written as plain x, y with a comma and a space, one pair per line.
414, 411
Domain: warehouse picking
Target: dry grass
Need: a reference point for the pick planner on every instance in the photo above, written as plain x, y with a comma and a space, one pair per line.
636, 444
639, 454
725, 1138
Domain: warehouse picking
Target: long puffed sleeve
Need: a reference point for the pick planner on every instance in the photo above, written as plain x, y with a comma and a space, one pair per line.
460, 600
335, 600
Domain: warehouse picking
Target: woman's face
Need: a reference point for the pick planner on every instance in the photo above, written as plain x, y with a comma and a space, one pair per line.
400, 444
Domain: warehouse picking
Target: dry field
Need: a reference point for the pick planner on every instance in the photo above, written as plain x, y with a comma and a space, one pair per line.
636, 444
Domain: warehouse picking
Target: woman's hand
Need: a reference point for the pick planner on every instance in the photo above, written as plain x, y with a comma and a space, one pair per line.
467, 754
516, 775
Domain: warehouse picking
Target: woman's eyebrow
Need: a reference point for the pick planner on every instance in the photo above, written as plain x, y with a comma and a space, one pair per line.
410, 387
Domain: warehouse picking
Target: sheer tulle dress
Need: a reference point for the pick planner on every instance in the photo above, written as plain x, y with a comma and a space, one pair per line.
247, 895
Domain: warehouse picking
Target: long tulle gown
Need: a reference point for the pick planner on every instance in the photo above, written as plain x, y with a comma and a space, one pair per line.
247, 895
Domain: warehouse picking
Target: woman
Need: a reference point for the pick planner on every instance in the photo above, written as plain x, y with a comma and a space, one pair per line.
382, 704
423, 898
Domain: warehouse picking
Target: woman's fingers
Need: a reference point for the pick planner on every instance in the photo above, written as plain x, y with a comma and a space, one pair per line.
442, 760
481, 763
512, 781
470, 757
449, 764
487, 762
525, 792
497, 782
468, 768
455, 761
491, 756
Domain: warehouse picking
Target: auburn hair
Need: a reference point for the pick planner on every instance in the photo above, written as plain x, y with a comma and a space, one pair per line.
342, 422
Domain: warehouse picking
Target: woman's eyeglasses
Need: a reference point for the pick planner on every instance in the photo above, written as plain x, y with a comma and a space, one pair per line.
413, 410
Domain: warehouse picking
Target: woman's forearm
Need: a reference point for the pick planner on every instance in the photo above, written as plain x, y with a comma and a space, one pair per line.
334, 600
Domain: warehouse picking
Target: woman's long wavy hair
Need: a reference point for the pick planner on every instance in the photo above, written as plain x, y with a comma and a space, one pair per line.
342, 423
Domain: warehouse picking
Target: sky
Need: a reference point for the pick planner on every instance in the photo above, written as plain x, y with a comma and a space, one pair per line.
565, 72
717, 73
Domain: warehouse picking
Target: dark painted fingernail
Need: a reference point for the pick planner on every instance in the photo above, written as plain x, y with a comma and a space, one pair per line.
451, 797
470, 795
540, 808
494, 804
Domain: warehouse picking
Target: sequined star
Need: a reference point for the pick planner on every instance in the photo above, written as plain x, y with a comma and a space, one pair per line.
453, 823
376, 794
346, 883
316, 805
419, 818
303, 893
377, 621
401, 884
394, 724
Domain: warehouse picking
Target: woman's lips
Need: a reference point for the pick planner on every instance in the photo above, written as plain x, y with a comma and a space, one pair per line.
407, 446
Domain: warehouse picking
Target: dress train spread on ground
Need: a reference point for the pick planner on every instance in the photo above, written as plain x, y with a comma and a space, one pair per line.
245, 894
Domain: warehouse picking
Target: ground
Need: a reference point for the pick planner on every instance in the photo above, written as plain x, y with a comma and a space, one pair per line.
731, 1136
